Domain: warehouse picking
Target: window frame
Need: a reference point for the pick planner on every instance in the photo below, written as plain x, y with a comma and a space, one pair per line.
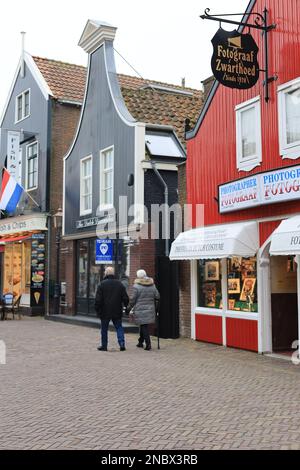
86, 211
251, 162
22, 96
33, 188
103, 171
291, 151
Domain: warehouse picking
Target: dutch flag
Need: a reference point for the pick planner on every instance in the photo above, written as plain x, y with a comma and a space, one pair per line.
11, 193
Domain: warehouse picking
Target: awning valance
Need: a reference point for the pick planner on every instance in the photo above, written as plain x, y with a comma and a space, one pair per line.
286, 238
217, 241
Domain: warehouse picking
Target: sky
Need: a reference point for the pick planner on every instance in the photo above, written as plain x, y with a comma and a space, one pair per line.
163, 40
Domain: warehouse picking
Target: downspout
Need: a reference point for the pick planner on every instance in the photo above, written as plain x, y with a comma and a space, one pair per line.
166, 196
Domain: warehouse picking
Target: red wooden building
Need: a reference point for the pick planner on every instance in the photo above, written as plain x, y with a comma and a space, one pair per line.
243, 166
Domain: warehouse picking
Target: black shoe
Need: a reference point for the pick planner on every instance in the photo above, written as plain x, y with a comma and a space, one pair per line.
148, 347
139, 345
122, 348
102, 348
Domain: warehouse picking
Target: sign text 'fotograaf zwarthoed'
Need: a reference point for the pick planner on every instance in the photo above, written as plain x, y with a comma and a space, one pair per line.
234, 62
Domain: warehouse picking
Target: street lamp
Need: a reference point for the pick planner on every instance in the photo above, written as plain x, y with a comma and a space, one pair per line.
57, 219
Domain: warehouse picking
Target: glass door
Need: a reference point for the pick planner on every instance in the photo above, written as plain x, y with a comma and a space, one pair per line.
89, 275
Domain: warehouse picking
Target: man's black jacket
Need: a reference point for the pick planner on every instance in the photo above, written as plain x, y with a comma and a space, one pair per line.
111, 296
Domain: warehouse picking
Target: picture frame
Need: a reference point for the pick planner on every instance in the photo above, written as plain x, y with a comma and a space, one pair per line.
212, 271
248, 289
234, 286
210, 294
236, 263
231, 304
248, 268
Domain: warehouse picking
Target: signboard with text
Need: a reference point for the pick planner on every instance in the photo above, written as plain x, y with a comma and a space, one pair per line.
104, 251
271, 187
234, 61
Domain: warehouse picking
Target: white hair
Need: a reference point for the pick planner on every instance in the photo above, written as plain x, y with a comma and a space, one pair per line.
141, 274
109, 271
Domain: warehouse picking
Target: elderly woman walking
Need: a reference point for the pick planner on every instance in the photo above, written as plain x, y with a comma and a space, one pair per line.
144, 302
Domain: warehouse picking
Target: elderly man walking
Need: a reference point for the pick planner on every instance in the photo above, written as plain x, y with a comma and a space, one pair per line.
111, 296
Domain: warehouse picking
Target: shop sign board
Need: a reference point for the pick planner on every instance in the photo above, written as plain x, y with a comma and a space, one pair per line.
234, 62
104, 251
37, 291
270, 187
13, 153
18, 224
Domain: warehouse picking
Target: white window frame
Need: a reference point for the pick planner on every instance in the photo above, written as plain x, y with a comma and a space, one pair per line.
26, 176
86, 211
22, 95
291, 151
102, 172
255, 160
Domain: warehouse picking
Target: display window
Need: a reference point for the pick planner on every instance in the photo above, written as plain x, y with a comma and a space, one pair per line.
210, 284
17, 268
242, 284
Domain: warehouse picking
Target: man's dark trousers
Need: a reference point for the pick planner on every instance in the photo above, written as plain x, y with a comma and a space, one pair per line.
119, 329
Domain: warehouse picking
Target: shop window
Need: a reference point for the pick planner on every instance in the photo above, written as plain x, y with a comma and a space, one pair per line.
242, 284
107, 178
209, 284
86, 186
22, 106
289, 119
248, 135
17, 268
32, 166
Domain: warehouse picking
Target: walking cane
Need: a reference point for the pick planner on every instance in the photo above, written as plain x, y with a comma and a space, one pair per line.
157, 326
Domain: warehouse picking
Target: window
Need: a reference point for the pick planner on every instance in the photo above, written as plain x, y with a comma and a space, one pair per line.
289, 119
248, 135
209, 284
32, 166
22, 106
107, 178
86, 186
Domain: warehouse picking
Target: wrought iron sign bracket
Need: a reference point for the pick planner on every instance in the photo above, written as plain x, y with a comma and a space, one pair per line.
260, 23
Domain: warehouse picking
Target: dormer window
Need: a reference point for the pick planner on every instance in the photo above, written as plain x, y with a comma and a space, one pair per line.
22, 106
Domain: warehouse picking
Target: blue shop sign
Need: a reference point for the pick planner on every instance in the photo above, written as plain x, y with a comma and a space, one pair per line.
104, 251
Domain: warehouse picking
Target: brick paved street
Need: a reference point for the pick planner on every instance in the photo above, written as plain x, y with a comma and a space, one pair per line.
58, 392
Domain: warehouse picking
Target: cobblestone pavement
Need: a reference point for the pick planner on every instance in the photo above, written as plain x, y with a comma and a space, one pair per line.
58, 392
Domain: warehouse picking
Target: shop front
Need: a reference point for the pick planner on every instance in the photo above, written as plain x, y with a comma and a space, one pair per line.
23, 240
224, 282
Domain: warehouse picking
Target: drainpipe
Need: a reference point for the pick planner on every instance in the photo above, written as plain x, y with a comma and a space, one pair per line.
166, 195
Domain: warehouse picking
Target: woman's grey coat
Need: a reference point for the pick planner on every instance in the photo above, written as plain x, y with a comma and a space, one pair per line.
143, 301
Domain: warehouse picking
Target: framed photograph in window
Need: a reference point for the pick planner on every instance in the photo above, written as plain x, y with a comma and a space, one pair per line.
210, 294
236, 264
234, 286
248, 268
248, 289
212, 271
231, 304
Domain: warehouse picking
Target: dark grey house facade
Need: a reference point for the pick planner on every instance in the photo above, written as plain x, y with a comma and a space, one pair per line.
125, 130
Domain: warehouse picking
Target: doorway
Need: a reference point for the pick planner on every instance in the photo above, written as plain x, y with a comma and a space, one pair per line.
284, 303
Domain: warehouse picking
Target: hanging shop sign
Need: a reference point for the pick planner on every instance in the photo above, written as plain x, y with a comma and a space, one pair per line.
104, 251
13, 153
263, 188
234, 62
37, 291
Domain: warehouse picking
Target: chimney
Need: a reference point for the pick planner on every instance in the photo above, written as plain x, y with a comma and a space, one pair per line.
95, 34
207, 85
183, 82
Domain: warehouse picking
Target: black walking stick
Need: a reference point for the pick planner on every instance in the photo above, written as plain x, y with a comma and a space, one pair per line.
157, 325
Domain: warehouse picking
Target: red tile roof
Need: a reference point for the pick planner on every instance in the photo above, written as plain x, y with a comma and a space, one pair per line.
149, 104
